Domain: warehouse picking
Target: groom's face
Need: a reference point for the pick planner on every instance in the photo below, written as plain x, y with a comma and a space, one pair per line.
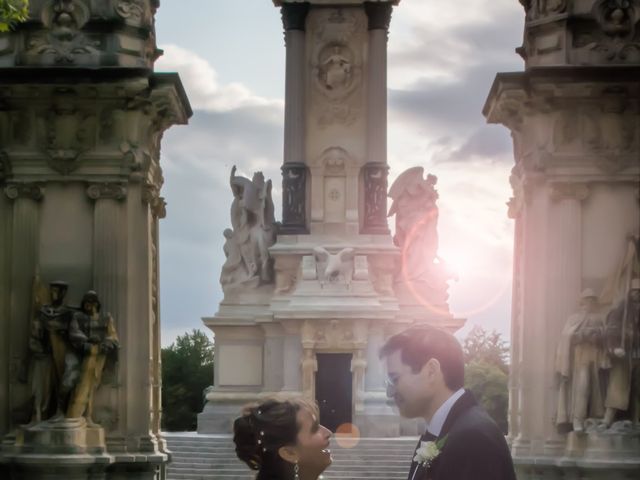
410, 391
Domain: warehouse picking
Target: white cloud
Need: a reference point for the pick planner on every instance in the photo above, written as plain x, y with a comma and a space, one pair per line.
201, 83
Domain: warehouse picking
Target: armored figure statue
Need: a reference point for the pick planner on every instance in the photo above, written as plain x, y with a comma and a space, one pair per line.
247, 244
48, 344
623, 342
93, 341
581, 356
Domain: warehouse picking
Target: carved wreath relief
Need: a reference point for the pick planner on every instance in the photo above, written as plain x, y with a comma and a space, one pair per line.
336, 65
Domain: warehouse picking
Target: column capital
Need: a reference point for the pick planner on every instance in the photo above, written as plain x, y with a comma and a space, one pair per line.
294, 16
569, 190
151, 196
107, 190
379, 15
33, 191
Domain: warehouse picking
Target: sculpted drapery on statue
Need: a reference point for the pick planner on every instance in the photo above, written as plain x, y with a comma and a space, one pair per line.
94, 341
581, 357
249, 263
623, 341
69, 352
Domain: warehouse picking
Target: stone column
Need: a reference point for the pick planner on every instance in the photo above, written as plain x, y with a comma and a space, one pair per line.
294, 178
110, 272
375, 171
24, 245
374, 376
292, 359
564, 284
273, 357
5, 297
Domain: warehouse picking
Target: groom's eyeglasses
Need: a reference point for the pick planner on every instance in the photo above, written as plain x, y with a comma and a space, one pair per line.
391, 383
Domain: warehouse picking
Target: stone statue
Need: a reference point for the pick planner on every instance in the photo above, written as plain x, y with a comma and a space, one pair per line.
331, 267
623, 342
247, 247
48, 344
414, 205
93, 339
580, 357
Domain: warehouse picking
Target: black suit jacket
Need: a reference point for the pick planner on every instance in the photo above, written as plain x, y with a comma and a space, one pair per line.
474, 448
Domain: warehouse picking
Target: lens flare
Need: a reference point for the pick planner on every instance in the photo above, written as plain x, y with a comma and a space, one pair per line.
347, 435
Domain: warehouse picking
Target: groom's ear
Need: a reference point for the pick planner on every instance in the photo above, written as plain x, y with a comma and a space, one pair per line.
432, 369
288, 454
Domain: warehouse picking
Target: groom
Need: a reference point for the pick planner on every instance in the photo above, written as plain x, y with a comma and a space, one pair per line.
425, 368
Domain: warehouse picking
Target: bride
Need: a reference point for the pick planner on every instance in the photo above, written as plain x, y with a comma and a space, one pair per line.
282, 440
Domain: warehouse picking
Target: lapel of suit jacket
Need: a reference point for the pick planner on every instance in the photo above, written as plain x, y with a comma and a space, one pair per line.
464, 403
426, 437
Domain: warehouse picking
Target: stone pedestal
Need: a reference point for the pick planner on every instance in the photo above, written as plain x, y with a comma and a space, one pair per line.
81, 118
573, 116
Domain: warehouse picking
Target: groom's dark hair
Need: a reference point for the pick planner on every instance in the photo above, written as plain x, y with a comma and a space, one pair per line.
420, 344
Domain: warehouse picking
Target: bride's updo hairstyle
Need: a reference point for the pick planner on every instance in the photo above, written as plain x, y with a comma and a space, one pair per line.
263, 429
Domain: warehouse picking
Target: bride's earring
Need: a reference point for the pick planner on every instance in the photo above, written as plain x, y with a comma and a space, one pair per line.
296, 471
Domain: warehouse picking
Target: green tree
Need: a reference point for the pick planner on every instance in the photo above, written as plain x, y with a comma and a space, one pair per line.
486, 372
187, 369
12, 12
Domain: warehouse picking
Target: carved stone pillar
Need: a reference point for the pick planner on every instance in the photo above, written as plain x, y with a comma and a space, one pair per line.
374, 177
294, 198
294, 195
110, 269
273, 357
379, 16
292, 359
23, 267
564, 284
374, 377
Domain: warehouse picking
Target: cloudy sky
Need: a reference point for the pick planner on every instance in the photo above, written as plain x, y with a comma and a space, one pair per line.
443, 56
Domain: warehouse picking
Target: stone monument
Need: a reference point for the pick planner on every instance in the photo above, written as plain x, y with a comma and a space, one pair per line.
574, 116
307, 311
82, 115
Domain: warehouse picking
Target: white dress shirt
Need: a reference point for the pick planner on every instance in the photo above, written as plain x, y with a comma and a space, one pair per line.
434, 426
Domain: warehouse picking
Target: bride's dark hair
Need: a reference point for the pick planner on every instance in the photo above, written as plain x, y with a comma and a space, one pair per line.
264, 428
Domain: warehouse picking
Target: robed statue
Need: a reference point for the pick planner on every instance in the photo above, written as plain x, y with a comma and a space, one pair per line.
581, 358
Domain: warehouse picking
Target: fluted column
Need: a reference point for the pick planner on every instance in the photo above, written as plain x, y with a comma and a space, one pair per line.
273, 358
24, 246
374, 375
294, 173
564, 284
110, 273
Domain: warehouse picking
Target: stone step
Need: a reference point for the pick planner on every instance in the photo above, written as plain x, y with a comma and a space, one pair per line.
204, 457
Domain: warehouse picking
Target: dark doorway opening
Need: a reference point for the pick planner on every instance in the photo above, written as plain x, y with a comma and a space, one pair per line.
334, 389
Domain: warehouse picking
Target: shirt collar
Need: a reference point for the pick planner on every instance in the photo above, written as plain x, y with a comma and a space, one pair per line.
434, 426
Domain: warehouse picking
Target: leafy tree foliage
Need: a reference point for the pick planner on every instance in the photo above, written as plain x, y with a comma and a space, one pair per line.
187, 369
486, 372
12, 12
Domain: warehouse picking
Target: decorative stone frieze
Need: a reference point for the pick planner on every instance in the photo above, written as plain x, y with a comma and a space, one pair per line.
76, 33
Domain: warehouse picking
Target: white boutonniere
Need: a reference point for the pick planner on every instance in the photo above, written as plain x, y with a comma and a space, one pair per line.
427, 452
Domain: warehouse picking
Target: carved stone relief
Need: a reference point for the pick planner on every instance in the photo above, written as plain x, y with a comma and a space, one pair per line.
338, 267
375, 198
294, 198
336, 65
334, 334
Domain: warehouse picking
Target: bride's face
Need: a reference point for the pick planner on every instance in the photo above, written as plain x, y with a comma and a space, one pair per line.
314, 455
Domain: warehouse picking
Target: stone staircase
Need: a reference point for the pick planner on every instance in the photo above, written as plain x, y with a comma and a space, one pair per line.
208, 457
